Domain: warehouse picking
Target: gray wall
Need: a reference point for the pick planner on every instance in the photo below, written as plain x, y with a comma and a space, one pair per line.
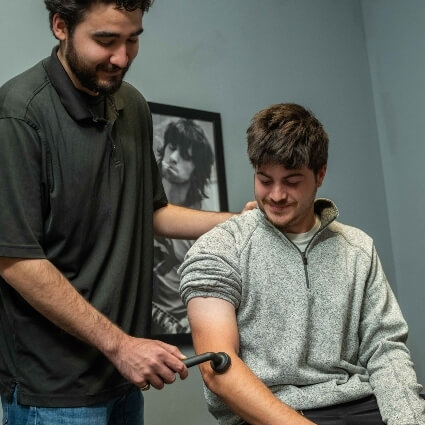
235, 57
396, 46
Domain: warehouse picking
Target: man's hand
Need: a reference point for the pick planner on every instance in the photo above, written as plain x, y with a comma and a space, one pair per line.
141, 361
146, 361
249, 206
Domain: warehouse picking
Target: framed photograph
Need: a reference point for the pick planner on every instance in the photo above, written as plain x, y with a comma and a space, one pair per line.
188, 148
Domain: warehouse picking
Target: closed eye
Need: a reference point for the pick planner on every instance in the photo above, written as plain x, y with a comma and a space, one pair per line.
105, 42
266, 182
293, 182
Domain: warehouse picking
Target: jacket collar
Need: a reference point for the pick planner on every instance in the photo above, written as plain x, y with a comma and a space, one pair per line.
326, 210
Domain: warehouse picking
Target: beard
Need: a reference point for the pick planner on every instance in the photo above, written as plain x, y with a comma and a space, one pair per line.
290, 215
87, 75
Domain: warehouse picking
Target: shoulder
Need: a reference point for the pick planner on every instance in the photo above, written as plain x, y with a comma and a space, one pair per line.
240, 224
352, 236
234, 232
131, 96
24, 90
348, 235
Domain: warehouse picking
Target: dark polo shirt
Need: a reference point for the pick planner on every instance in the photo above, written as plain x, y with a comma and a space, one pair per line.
78, 186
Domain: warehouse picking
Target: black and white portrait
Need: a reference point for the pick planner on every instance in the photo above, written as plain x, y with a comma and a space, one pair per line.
192, 171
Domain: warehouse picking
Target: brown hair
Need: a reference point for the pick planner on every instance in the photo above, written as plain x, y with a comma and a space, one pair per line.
73, 11
287, 134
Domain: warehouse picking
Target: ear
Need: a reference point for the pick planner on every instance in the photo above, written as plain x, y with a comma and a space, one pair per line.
59, 27
321, 175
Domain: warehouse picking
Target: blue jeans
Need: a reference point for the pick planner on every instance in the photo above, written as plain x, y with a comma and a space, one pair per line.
124, 410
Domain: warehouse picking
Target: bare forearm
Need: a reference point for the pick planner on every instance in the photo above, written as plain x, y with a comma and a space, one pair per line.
249, 398
49, 292
139, 360
214, 328
177, 222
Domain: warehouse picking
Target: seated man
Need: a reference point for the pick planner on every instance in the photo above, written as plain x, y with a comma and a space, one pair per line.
298, 300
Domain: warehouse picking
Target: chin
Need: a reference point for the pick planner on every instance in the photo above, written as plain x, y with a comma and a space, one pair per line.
281, 225
110, 85
278, 222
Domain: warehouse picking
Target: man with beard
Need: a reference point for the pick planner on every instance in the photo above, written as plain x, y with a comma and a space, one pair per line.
185, 161
82, 197
298, 300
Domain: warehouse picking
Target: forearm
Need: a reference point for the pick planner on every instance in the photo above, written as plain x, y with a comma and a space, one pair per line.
214, 328
397, 391
248, 397
50, 293
173, 221
139, 360
384, 353
394, 380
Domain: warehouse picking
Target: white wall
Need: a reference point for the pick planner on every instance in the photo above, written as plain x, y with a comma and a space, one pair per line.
396, 43
235, 57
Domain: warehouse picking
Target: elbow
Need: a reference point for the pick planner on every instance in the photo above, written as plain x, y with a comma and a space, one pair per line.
208, 375
211, 378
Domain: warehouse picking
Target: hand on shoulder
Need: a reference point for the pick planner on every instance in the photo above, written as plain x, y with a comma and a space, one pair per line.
249, 206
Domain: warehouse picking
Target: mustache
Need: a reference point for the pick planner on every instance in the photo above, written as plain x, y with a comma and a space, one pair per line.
111, 68
277, 203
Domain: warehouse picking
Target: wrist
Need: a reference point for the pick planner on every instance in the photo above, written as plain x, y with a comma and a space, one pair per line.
112, 341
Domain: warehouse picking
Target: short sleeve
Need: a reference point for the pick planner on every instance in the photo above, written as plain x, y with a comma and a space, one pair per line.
159, 197
21, 218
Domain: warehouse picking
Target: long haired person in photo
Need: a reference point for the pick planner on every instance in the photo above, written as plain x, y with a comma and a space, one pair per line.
185, 158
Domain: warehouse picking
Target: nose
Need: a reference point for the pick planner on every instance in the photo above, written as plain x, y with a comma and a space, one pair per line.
278, 193
120, 56
175, 156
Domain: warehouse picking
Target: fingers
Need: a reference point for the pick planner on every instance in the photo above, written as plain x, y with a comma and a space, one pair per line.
249, 206
172, 350
178, 367
175, 363
144, 361
157, 373
171, 364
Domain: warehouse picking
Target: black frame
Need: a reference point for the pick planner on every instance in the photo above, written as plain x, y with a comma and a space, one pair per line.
212, 119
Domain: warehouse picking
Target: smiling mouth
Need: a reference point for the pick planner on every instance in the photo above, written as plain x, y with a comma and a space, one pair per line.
278, 207
112, 71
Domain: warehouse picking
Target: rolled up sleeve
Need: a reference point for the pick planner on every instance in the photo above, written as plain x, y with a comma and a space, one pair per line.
211, 269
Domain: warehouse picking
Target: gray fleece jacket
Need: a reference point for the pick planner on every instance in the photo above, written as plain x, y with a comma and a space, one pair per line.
318, 328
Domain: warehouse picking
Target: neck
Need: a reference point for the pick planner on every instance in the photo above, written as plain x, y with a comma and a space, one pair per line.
72, 76
176, 193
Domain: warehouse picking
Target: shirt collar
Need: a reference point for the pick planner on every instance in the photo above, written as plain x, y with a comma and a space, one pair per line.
73, 99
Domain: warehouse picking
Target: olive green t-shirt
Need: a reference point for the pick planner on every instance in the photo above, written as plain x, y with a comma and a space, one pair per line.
77, 187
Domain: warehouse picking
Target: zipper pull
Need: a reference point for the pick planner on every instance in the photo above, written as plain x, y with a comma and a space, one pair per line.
304, 258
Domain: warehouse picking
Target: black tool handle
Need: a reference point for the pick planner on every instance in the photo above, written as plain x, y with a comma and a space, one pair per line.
220, 362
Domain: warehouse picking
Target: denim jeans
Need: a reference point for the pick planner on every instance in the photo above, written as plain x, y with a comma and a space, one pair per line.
124, 410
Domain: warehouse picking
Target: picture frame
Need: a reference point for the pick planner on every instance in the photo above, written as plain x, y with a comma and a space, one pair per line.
188, 147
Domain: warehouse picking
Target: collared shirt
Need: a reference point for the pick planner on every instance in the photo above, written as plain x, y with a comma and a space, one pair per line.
78, 188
